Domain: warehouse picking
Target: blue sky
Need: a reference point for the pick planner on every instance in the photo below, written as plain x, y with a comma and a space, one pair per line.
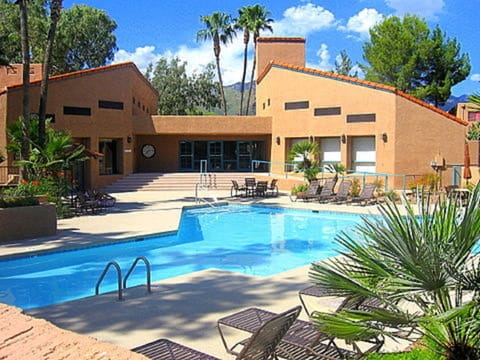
148, 29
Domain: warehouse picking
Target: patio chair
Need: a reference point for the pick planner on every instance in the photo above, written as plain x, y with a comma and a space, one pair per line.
236, 189
301, 341
272, 189
367, 195
327, 191
261, 345
311, 192
261, 188
250, 185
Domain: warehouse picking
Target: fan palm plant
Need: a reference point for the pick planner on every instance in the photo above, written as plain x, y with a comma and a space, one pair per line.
219, 28
306, 151
427, 260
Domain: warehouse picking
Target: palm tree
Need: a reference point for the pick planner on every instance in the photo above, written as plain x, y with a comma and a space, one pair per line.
307, 151
26, 80
244, 22
258, 21
219, 28
428, 260
55, 9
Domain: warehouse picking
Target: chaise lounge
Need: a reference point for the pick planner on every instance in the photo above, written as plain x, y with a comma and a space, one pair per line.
262, 345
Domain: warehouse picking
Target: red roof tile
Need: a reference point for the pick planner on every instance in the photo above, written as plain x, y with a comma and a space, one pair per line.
361, 82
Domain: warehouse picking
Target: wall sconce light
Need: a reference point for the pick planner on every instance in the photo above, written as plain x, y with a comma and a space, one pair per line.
129, 139
384, 137
343, 138
311, 138
278, 140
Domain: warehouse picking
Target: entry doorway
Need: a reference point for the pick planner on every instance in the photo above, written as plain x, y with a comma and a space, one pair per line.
221, 155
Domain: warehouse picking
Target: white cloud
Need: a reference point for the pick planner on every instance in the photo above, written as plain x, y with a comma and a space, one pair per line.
197, 57
324, 59
428, 9
475, 77
142, 56
361, 23
303, 20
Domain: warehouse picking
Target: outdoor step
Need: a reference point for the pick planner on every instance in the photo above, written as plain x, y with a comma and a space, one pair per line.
174, 181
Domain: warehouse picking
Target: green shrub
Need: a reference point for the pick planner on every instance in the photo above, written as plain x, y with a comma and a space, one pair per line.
355, 189
415, 354
9, 201
299, 188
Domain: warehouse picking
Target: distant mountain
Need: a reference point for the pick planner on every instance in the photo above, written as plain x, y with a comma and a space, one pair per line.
453, 101
232, 96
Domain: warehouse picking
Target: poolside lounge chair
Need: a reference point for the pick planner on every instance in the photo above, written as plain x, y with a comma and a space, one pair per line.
272, 189
327, 191
342, 193
262, 345
367, 195
301, 341
311, 192
236, 189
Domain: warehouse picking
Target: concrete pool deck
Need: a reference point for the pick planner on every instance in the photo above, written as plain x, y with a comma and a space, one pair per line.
184, 309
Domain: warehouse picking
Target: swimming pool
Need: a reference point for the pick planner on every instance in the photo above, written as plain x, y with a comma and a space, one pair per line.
253, 240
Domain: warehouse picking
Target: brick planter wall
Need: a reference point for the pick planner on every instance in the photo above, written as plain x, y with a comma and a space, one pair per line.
26, 222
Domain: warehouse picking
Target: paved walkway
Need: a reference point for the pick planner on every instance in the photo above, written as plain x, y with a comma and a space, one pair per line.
184, 309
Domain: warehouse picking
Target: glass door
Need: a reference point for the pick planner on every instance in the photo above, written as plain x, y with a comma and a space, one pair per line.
244, 155
186, 155
215, 156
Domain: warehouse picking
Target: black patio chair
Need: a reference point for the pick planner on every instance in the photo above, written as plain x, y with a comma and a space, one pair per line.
237, 190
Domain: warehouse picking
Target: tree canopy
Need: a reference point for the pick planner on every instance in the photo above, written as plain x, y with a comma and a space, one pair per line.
344, 65
84, 36
180, 93
406, 54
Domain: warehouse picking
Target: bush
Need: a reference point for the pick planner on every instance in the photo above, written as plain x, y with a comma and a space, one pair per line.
415, 354
355, 189
299, 188
9, 201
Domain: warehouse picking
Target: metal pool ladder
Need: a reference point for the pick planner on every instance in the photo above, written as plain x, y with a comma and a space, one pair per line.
119, 278
119, 275
149, 275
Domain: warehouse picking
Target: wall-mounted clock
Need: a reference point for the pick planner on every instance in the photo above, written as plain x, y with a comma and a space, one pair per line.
148, 151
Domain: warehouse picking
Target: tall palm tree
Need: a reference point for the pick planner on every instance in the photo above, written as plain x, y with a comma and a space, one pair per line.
219, 28
244, 22
428, 260
259, 21
55, 10
24, 154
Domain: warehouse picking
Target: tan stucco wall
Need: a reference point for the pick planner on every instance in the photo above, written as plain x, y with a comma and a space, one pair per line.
423, 136
286, 50
3, 124
211, 125
13, 74
121, 84
325, 92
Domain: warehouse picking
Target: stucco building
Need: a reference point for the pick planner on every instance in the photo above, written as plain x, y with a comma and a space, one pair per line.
366, 126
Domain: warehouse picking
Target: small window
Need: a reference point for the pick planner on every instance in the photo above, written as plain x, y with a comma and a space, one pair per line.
328, 111
268, 102
296, 105
75, 110
263, 105
357, 118
105, 104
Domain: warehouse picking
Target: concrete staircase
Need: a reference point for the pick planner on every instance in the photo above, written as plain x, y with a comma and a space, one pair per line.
175, 181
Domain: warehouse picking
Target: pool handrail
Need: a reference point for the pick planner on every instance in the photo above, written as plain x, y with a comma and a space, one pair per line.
148, 270
119, 278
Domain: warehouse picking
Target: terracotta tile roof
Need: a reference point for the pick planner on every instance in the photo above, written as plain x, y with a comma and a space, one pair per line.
280, 39
27, 338
360, 82
88, 72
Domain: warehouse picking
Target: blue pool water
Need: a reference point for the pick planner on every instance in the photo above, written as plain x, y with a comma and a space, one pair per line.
253, 240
